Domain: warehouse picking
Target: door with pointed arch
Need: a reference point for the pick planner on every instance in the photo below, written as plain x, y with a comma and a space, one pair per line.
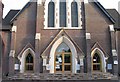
96, 63
29, 63
63, 59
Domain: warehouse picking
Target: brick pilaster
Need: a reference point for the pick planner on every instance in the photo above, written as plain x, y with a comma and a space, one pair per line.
12, 51
114, 52
88, 52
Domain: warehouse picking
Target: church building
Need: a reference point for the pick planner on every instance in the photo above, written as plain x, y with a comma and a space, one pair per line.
60, 40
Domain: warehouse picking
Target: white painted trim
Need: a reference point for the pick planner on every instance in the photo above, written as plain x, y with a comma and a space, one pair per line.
12, 53
102, 56
53, 49
88, 36
114, 52
81, 60
22, 59
63, 28
111, 28
38, 36
44, 60
68, 8
86, 1
39, 2
58, 16
14, 28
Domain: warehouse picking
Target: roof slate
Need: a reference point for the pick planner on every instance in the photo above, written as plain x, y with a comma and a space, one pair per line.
26, 6
116, 16
9, 16
6, 21
112, 14
104, 11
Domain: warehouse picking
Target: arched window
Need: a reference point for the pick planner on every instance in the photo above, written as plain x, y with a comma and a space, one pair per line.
62, 13
74, 14
63, 59
96, 62
29, 63
51, 14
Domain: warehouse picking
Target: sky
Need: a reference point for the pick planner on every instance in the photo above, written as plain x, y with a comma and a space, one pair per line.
18, 4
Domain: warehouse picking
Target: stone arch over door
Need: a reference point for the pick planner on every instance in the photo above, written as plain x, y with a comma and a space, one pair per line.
53, 50
23, 57
102, 58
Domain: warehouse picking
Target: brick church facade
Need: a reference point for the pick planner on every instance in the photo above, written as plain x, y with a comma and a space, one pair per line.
60, 40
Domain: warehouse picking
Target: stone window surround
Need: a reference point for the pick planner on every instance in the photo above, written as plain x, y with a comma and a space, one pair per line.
73, 50
22, 59
57, 26
74, 61
103, 58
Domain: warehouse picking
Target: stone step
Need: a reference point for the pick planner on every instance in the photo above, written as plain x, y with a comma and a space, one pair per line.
79, 76
60, 81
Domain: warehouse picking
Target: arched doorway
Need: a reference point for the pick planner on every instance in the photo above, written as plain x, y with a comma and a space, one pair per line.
72, 54
63, 61
29, 63
27, 60
98, 61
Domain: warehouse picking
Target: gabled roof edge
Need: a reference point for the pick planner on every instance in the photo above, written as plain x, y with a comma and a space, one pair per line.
27, 4
104, 10
95, 46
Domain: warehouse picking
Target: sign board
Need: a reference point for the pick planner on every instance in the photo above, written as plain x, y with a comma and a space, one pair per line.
78, 67
109, 66
115, 62
16, 67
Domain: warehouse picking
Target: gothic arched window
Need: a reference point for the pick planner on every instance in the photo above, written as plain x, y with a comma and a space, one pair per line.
74, 14
51, 14
96, 62
62, 13
29, 64
63, 59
